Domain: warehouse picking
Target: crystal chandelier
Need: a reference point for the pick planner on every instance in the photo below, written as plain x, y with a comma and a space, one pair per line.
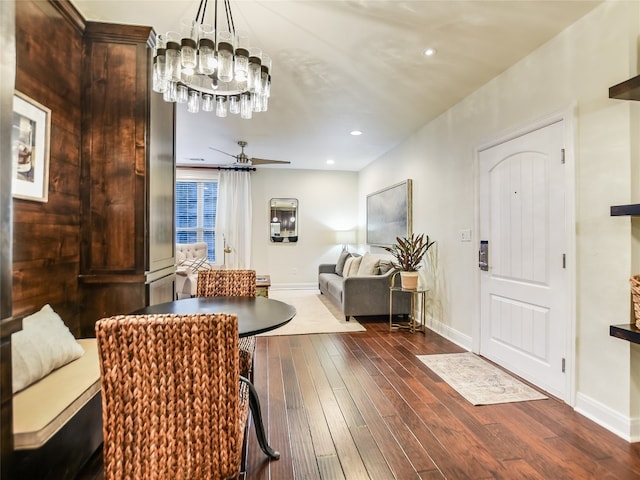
212, 68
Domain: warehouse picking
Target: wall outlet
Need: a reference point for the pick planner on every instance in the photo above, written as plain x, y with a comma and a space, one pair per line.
465, 235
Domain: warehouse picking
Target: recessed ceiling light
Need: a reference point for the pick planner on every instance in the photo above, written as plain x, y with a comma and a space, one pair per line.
355, 133
429, 52
330, 162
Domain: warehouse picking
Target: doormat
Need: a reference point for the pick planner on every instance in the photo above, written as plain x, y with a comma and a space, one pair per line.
478, 381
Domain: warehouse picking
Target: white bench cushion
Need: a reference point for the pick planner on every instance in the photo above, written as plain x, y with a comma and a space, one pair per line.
43, 408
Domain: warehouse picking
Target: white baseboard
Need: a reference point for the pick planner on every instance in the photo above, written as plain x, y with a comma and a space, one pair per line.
294, 286
625, 427
450, 334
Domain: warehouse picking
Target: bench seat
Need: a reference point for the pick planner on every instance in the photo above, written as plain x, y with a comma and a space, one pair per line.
43, 408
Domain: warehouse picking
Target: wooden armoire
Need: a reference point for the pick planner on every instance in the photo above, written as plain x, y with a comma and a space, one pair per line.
127, 177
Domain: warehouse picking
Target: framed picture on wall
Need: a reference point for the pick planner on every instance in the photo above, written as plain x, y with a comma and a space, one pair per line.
30, 149
389, 214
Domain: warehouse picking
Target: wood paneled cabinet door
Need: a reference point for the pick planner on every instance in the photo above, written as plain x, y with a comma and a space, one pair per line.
127, 176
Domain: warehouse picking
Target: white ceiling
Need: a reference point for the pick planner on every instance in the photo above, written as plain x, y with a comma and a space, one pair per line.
340, 65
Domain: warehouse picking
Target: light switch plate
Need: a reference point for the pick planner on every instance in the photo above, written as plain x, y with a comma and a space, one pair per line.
465, 235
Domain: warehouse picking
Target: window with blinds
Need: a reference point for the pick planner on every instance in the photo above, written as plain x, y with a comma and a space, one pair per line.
196, 213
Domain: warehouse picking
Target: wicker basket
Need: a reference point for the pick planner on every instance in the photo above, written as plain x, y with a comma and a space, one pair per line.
635, 295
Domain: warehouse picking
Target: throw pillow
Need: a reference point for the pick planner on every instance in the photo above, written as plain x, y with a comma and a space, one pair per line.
385, 266
44, 344
354, 265
369, 265
342, 259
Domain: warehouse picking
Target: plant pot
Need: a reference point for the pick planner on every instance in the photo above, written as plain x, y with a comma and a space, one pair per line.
409, 280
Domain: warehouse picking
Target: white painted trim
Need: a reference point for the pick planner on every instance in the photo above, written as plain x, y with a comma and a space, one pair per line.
294, 286
197, 174
625, 427
450, 334
567, 115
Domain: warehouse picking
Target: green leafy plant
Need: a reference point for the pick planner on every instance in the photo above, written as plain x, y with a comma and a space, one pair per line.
408, 251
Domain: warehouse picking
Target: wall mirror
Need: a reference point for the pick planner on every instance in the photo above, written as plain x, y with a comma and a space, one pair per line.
283, 217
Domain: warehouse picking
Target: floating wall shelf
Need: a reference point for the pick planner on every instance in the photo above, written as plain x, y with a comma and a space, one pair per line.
630, 332
619, 210
629, 90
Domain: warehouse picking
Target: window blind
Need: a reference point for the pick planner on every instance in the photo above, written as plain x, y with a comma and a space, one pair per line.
196, 213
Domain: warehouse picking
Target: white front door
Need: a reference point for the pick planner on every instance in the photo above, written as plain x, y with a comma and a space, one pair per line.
524, 319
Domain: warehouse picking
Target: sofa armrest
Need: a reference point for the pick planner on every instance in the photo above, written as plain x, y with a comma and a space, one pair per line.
327, 268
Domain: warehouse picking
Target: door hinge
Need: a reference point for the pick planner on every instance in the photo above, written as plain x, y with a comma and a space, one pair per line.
564, 364
564, 260
562, 156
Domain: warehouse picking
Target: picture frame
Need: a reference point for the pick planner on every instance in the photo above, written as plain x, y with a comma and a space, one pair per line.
30, 141
390, 214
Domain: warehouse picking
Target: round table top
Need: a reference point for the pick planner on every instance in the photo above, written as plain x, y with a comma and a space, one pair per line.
255, 314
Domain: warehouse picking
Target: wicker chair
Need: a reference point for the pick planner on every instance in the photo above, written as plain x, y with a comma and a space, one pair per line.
174, 406
228, 283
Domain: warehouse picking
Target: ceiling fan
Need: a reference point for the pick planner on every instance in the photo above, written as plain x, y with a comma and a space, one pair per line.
243, 160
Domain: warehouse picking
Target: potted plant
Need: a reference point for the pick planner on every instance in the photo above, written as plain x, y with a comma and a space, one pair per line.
408, 253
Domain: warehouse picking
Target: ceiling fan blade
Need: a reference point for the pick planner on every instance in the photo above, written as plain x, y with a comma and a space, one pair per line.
233, 156
263, 161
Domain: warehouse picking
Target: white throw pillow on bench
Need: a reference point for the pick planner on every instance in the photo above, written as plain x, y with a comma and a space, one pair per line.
44, 344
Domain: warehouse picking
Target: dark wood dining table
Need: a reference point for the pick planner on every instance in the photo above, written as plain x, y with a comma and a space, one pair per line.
255, 315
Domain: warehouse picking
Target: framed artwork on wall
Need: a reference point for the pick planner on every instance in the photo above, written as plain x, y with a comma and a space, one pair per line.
30, 135
389, 214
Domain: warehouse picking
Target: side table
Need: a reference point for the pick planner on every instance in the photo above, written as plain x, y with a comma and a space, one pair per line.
263, 282
417, 317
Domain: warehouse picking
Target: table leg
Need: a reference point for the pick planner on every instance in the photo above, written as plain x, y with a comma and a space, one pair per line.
256, 413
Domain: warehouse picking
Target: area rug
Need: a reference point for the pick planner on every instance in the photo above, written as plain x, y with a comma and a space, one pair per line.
315, 314
480, 382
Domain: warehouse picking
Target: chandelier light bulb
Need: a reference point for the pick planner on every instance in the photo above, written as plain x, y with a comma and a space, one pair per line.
207, 102
221, 106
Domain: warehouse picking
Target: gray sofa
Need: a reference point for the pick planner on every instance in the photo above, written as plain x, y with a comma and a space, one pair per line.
362, 295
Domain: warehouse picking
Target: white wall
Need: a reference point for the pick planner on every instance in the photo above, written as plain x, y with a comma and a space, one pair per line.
575, 68
327, 202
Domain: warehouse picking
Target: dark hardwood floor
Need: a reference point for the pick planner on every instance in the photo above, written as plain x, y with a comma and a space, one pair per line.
362, 406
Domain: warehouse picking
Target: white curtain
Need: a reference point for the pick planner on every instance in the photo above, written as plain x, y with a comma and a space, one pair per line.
233, 218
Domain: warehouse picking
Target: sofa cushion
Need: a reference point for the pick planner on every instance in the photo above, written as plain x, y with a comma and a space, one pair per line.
342, 259
44, 344
369, 265
351, 267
